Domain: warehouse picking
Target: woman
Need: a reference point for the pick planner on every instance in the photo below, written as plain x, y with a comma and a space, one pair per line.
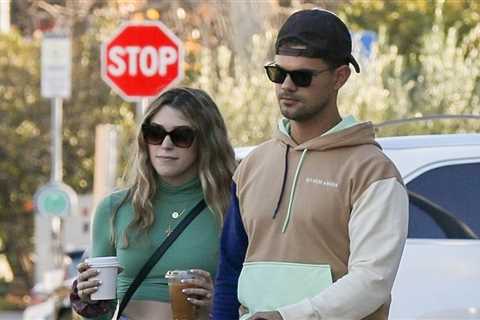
183, 155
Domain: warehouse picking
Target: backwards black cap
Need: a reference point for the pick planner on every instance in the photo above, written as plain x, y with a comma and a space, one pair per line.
322, 33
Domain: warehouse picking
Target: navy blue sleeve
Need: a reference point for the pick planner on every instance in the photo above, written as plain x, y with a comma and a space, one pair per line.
233, 247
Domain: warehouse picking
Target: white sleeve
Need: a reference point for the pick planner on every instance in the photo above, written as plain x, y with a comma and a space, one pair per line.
377, 230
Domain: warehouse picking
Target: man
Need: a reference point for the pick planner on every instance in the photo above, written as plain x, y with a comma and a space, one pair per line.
318, 218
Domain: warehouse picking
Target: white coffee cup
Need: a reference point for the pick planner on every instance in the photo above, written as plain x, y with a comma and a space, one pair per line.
108, 268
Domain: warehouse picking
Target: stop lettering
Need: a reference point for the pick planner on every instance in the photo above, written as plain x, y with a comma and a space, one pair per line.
142, 60
149, 61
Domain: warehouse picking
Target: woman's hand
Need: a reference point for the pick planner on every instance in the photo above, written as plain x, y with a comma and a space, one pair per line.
85, 286
202, 294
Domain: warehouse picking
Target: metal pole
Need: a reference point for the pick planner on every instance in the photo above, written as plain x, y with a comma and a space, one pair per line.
57, 243
57, 176
106, 158
57, 160
112, 157
4, 16
141, 107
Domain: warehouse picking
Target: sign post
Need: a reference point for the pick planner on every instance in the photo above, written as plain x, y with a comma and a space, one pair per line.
55, 199
140, 61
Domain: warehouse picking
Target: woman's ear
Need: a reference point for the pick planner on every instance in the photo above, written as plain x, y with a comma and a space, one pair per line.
342, 74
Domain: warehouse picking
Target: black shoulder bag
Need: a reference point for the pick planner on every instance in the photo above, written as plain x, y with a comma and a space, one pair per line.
147, 267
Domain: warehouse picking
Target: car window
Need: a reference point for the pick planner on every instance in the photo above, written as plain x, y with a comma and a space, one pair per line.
456, 188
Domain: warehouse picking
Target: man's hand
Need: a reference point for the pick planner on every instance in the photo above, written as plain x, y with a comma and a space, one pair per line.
271, 315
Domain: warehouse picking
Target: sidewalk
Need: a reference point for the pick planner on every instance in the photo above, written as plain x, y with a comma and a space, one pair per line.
10, 315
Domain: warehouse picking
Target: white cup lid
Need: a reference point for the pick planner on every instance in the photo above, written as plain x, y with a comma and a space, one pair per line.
103, 262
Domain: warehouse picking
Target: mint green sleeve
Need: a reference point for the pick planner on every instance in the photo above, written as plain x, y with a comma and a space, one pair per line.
101, 244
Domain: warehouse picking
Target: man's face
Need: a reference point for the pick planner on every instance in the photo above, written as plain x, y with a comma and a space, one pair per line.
304, 103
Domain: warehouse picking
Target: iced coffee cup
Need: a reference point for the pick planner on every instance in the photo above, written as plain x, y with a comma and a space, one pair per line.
182, 309
108, 268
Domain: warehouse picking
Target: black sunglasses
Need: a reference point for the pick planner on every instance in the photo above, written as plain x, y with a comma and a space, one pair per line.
181, 136
301, 78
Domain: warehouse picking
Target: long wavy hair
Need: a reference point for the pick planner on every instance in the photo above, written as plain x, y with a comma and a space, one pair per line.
216, 158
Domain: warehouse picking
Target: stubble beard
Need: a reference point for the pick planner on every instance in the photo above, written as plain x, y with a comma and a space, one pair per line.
303, 113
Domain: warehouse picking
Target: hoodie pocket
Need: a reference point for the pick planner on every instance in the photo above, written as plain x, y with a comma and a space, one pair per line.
267, 286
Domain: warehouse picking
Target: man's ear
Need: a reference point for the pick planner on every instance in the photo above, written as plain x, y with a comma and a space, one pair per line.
342, 74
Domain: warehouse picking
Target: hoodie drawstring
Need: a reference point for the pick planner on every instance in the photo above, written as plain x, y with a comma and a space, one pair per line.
292, 192
285, 171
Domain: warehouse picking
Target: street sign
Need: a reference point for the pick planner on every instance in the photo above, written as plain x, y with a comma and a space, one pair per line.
56, 66
363, 42
141, 60
56, 199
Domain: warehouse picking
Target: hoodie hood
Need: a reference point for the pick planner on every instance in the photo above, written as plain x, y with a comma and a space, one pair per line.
347, 133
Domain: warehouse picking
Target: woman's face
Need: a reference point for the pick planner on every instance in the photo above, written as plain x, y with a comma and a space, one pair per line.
175, 165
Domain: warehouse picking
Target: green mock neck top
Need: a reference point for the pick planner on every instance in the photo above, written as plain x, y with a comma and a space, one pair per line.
196, 248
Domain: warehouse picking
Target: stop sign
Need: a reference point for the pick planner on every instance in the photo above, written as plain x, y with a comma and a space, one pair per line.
141, 60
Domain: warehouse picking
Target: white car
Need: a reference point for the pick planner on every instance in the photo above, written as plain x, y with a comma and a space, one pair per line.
439, 275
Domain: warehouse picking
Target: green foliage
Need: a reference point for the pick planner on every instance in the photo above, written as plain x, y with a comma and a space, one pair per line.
445, 81
406, 21
24, 147
25, 132
240, 89
92, 103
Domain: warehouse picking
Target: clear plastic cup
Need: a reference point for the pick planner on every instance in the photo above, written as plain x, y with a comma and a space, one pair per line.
182, 309
108, 268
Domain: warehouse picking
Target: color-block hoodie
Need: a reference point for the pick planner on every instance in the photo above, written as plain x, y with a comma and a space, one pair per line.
315, 230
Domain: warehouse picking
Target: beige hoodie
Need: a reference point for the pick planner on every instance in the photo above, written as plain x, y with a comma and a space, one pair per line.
335, 200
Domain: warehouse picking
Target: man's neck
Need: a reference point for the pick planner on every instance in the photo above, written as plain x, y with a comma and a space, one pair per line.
315, 127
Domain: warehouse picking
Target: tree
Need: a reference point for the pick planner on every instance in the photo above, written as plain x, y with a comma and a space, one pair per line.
25, 129
440, 76
22, 157
406, 22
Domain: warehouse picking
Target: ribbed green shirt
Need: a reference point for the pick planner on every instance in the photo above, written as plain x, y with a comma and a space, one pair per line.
197, 247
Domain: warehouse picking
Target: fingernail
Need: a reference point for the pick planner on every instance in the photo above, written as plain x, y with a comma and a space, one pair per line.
183, 280
189, 299
184, 290
99, 282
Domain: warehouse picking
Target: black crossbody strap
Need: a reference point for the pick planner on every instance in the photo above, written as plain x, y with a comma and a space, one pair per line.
147, 267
